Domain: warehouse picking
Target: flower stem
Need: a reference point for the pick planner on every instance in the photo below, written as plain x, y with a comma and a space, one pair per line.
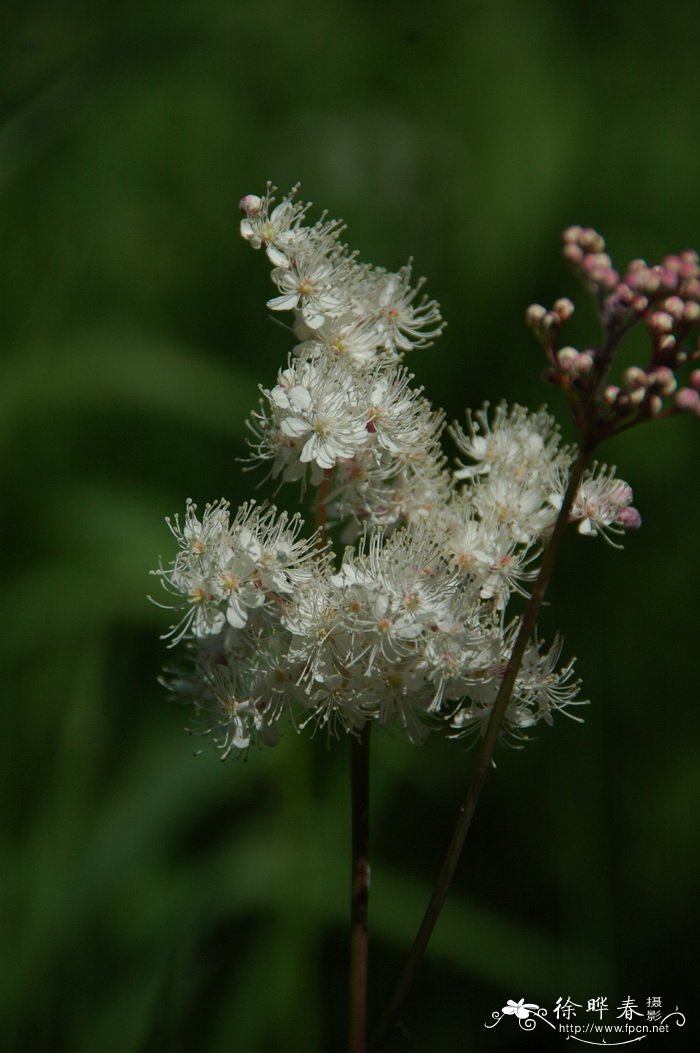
359, 901
484, 759
322, 509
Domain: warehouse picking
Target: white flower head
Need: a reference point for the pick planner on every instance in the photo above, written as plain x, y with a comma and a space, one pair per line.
603, 504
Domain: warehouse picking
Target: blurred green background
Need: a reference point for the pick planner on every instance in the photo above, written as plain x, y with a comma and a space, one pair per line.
157, 901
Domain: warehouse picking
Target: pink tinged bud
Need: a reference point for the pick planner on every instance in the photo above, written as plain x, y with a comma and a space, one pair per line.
572, 233
691, 312
668, 279
590, 240
535, 314
584, 363
695, 379
611, 394
661, 322
640, 304
664, 380
564, 308
691, 289
667, 343
572, 253
637, 265
567, 358
655, 405
250, 205
629, 518
636, 396
687, 400
674, 306
635, 377
651, 283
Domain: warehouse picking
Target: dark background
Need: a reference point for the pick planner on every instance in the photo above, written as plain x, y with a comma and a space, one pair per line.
156, 901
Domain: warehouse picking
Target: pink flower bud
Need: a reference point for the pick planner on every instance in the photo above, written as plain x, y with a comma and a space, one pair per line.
534, 314
687, 400
661, 322
635, 377
567, 358
564, 308
611, 394
250, 205
664, 380
572, 253
695, 379
629, 518
584, 363
590, 240
674, 306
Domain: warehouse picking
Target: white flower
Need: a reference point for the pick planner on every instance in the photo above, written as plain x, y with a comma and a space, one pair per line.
406, 323
276, 228
516, 443
225, 570
316, 408
603, 504
309, 284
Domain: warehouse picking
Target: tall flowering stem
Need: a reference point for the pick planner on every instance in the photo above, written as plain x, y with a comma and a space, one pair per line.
484, 759
360, 876
410, 626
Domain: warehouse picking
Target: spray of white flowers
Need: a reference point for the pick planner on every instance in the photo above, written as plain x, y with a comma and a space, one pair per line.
412, 623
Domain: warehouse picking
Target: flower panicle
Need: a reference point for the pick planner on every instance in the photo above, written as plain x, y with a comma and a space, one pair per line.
412, 625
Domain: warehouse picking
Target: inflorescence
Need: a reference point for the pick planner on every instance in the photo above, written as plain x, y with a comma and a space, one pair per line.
410, 625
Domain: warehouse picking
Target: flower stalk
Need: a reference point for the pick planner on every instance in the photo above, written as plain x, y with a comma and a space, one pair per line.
360, 878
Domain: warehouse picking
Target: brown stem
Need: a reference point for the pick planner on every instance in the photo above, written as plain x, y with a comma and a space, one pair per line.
483, 761
359, 901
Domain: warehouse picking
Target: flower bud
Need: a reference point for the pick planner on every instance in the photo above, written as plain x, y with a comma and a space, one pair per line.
687, 400
674, 306
661, 322
567, 358
635, 377
584, 363
664, 380
629, 518
572, 253
564, 308
250, 205
535, 314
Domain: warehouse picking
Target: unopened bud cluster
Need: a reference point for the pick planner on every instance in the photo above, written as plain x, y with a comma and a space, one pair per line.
664, 297
411, 624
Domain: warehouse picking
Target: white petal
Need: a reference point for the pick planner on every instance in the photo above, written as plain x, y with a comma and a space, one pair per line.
284, 303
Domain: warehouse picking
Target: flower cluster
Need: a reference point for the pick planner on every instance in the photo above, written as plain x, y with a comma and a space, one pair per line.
410, 625
664, 297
